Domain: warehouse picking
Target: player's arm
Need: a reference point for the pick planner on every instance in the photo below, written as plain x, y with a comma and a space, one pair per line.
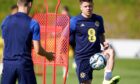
40, 51
102, 39
36, 42
73, 21
103, 42
3, 25
102, 36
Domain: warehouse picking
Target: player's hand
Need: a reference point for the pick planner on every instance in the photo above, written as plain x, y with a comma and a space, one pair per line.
50, 56
106, 45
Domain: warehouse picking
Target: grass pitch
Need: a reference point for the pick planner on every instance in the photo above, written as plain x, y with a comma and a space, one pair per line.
128, 69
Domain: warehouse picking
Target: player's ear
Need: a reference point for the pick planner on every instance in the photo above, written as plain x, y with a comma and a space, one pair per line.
17, 4
80, 6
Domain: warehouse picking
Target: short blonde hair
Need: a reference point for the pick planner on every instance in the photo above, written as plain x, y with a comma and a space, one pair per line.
81, 1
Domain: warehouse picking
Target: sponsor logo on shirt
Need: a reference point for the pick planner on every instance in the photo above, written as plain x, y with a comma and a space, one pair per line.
82, 25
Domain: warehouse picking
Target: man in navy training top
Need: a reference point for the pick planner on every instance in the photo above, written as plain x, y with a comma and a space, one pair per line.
88, 31
20, 32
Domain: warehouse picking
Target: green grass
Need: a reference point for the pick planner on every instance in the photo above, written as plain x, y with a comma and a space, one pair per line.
121, 17
128, 69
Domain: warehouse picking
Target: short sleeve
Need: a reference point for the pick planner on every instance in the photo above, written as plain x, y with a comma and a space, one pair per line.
101, 27
72, 24
3, 25
72, 30
36, 30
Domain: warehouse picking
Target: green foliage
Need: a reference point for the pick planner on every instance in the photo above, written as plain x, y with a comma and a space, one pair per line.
121, 17
5, 6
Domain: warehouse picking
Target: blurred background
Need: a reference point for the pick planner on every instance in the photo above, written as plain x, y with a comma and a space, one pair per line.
122, 26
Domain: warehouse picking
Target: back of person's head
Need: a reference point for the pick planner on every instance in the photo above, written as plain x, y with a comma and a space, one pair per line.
81, 1
24, 2
65, 8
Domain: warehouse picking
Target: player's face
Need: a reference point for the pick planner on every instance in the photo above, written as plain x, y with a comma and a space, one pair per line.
86, 8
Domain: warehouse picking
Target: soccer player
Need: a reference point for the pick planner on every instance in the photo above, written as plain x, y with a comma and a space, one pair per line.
88, 31
20, 32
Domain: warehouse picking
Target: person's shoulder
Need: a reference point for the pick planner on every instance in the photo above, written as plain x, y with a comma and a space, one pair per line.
97, 16
75, 18
79, 17
6, 19
34, 22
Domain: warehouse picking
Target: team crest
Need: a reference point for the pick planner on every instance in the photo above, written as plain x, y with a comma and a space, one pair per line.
82, 75
97, 23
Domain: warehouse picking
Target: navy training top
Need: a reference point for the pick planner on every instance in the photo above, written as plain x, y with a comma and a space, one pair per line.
18, 31
85, 33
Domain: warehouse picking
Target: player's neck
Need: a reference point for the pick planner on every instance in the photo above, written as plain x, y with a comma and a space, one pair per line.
23, 10
86, 16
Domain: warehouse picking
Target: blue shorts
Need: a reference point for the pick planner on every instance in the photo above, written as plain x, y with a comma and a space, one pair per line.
83, 70
21, 70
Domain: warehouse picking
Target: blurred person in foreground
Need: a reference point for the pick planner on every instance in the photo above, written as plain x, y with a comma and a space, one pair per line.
20, 32
14, 10
88, 31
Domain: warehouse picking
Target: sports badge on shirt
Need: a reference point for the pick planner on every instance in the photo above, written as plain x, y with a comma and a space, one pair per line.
82, 75
97, 23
